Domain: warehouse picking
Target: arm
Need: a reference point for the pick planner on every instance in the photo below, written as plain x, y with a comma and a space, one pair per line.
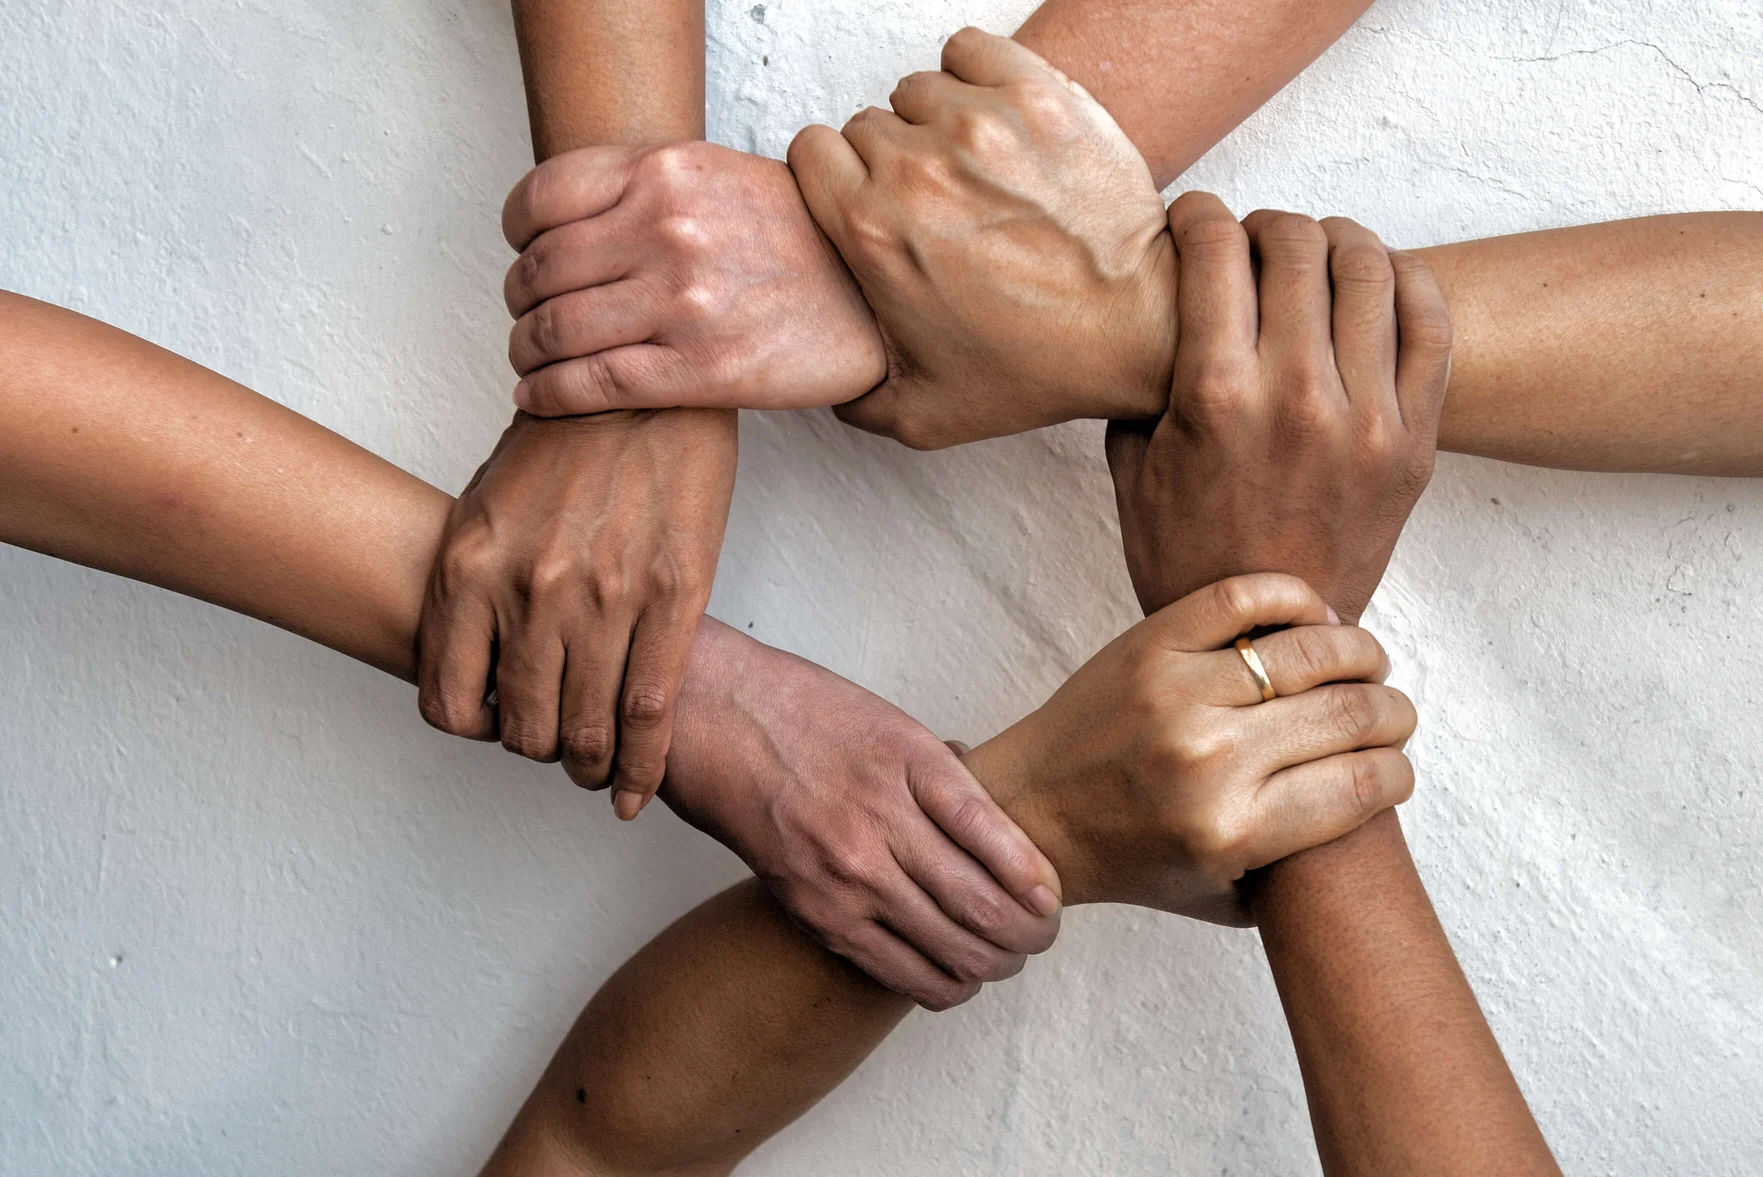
729, 1025
1178, 77
1402, 1073
576, 564
119, 455
1633, 345
776, 321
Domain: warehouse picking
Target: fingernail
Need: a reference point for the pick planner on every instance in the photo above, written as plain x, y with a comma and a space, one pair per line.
522, 396
1042, 900
1333, 617
627, 804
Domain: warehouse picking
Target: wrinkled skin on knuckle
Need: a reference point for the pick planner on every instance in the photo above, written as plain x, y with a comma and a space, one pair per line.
645, 705
1293, 238
1209, 236
587, 748
1312, 409
449, 711
1353, 712
529, 740
1362, 268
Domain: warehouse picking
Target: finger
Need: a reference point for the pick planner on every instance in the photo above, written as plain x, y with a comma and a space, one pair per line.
1315, 803
919, 98
1326, 721
1423, 332
1296, 307
566, 187
659, 649
986, 59
914, 917
968, 894
573, 256
634, 376
875, 135
830, 174
1216, 302
588, 709
905, 970
1297, 659
1213, 617
455, 641
960, 806
529, 683
1364, 319
580, 323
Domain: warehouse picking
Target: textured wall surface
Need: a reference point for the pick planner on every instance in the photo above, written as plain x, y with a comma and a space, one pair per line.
255, 918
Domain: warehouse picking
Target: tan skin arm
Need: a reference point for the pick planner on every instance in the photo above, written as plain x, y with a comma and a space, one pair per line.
1632, 345
1178, 77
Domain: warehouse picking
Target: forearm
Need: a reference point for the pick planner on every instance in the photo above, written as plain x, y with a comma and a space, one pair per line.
122, 456
1178, 77
1632, 345
600, 71
721, 1031
1402, 1073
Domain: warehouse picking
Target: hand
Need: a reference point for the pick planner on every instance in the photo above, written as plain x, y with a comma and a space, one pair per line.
1157, 776
1011, 242
571, 577
866, 826
1301, 421
680, 275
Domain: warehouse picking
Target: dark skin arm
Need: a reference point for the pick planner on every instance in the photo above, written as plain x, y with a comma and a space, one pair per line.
1400, 1069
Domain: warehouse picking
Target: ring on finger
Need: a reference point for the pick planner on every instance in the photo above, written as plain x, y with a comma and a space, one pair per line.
1256, 671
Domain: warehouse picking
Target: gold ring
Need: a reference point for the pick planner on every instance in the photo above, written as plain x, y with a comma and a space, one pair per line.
1253, 661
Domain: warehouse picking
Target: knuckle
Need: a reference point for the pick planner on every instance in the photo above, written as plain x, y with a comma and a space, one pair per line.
972, 967
1217, 390
550, 576
645, 705
606, 589
673, 167
448, 712
1041, 102
1238, 597
1310, 407
1353, 712
985, 912
1362, 268
697, 300
587, 745
524, 277
1292, 234
470, 558
683, 231
1210, 236
529, 740
1310, 655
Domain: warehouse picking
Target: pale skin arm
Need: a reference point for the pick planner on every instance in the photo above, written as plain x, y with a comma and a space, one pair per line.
122, 456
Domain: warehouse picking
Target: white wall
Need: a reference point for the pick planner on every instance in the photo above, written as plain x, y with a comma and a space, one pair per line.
255, 918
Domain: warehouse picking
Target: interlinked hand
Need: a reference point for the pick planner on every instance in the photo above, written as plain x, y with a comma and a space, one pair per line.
1303, 414
571, 578
1157, 776
1011, 242
866, 826
684, 274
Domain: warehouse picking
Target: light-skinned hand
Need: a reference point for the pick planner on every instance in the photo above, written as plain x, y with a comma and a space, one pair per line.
1303, 413
571, 577
1157, 776
866, 826
1010, 240
683, 274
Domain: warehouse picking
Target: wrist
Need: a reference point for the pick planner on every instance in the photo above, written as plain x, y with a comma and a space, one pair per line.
1008, 766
